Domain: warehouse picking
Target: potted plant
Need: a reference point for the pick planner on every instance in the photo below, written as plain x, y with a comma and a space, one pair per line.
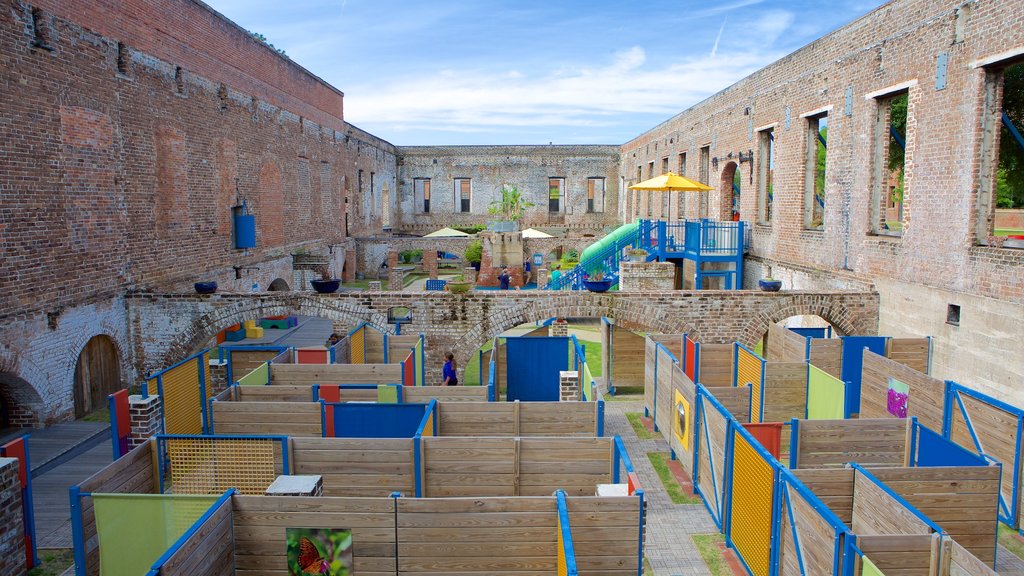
475, 253
637, 254
327, 284
510, 207
458, 285
769, 284
597, 282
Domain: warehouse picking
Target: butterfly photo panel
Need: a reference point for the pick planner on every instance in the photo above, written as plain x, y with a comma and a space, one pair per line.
319, 551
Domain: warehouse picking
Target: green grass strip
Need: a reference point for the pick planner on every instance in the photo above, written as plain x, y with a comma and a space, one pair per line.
1010, 542
636, 421
679, 496
707, 545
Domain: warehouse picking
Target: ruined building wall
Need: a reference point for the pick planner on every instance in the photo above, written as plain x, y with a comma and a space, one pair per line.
490, 167
943, 54
125, 147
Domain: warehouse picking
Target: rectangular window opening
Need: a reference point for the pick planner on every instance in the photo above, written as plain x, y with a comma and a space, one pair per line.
421, 190
1005, 176
556, 187
703, 173
463, 194
953, 314
814, 175
595, 194
890, 143
766, 175
122, 59
39, 32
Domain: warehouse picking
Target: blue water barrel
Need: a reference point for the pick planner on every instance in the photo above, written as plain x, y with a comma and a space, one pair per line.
245, 231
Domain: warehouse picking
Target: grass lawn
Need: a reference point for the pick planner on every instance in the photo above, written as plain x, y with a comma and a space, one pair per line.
635, 420
648, 571
707, 544
99, 415
660, 462
360, 284
1007, 539
53, 562
471, 374
1007, 232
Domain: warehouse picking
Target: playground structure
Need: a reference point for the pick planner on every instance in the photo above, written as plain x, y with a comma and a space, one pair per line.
908, 487
704, 250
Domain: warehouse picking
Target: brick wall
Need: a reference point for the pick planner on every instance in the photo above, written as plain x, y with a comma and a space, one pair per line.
490, 168
645, 276
12, 527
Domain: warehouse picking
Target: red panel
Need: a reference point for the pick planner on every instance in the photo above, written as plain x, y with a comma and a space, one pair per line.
16, 449
330, 392
312, 356
121, 414
632, 482
329, 420
769, 435
408, 376
690, 351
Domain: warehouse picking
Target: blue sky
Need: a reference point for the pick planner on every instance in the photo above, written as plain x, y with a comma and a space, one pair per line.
532, 71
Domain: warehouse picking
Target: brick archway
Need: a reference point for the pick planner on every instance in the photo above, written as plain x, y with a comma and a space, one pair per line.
727, 194
838, 315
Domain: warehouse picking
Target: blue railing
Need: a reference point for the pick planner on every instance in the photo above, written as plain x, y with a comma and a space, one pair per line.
694, 237
606, 261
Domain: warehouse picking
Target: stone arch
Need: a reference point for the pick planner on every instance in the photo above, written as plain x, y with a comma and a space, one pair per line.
729, 192
20, 402
205, 327
279, 285
832, 311
97, 373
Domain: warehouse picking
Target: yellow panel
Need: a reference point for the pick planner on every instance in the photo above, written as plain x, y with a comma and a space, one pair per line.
755, 403
181, 402
358, 344
212, 465
563, 570
682, 423
749, 371
753, 490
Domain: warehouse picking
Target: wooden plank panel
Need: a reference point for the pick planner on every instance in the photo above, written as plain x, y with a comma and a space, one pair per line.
899, 555
784, 345
876, 512
289, 418
294, 374
735, 399
869, 442
715, 365
424, 394
911, 352
628, 359
927, 394
827, 354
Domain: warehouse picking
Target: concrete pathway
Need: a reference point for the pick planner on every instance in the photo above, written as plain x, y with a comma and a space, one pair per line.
668, 545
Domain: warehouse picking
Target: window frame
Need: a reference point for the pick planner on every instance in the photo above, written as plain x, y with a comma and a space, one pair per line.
592, 200
458, 199
811, 149
880, 136
766, 144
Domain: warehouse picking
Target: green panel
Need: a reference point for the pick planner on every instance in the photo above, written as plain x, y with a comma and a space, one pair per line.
136, 529
826, 395
868, 568
387, 394
418, 354
258, 377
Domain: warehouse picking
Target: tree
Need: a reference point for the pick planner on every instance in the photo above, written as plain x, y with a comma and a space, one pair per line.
474, 252
1010, 174
897, 154
512, 205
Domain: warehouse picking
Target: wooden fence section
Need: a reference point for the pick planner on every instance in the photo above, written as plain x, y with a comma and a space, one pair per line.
911, 352
827, 354
898, 555
282, 393
962, 500
133, 473
784, 345
627, 357
307, 374
684, 396
517, 419
261, 522
374, 343
715, 365
398, 346
245, 361
605, 534
834, 487
357, 467
477, 467
877, 512
926, 399
424, 394
807, 539
735, 399
785, 396
957, 561
671, 342
495, 536
210, 551
870, 443
288, 418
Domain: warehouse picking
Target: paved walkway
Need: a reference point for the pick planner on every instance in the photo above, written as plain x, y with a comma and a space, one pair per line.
668, 545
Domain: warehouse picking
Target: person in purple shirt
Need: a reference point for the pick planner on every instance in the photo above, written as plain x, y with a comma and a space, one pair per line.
449, 371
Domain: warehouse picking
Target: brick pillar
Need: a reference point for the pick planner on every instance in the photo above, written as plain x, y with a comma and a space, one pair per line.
569, 386
559, 328
145, 417
394, 276
348, 274
12, 525
218, 376
542, 278
430, 263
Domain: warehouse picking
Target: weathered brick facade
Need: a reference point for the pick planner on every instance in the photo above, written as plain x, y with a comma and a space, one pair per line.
940, 258
12, 527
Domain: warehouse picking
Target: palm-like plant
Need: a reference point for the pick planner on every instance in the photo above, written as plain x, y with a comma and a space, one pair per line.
512, 205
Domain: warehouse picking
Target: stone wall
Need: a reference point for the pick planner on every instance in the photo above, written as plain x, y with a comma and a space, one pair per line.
935, 50
491, 167
646, 276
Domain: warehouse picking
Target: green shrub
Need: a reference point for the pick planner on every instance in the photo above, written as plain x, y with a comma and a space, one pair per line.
475, 251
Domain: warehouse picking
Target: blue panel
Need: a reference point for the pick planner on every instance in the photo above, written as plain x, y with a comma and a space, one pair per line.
811, 332
533, 365
934, 450
853, 359
352, 420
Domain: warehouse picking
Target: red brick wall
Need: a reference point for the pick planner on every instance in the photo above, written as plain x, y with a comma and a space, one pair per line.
114, 181
192, 35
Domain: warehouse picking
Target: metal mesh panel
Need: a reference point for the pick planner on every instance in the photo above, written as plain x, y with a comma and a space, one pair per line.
752, 497
181, 402
211, 465
358, 340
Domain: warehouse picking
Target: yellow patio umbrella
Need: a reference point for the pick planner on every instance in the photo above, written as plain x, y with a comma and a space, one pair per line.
671, 182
